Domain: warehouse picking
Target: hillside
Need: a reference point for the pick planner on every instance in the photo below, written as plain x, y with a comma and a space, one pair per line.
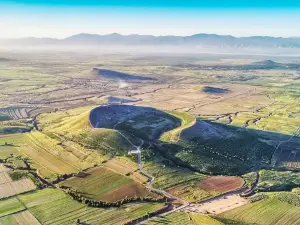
115, 75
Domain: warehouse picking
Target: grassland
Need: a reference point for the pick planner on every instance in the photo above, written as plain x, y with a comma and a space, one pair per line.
73, 126
267, 212
52, 206
186, 122
106, 185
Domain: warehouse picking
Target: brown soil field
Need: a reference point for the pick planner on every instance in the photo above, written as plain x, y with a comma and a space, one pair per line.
221, 183
127, 191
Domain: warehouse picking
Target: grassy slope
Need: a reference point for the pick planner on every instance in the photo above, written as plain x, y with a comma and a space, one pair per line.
74, 125
64, 143
267, 212
186, 122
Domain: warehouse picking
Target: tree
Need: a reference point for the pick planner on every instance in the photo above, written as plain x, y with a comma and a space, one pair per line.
78, 221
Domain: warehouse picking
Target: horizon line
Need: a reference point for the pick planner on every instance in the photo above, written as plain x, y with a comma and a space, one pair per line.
136, 34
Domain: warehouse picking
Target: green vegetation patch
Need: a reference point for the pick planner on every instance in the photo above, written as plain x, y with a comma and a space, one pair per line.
267, 212
271, 180
9, 206
5, 117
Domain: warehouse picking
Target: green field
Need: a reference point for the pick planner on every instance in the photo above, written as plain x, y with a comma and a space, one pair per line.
51, 206
185, 218
9, 206
267, 212
106, 185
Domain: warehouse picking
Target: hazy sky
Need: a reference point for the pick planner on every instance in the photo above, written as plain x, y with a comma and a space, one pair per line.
62, 18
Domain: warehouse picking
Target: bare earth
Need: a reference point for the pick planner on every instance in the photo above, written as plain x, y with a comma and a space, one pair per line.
218, 206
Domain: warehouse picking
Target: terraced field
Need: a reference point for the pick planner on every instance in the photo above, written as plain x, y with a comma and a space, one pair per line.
105, 185
49, 155
15, 112
51, 206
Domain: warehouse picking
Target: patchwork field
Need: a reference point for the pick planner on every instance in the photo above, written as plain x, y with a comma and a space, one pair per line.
106, 185
126, 167
199, 116
51, 206
176, 180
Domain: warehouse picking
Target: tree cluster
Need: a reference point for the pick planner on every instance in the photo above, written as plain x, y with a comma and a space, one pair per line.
74, 194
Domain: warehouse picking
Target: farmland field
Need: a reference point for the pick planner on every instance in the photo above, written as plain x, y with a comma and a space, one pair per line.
51, 206
9, 187
186, 219
266, 212
103, 184
9, 206
195, 126
20, 218
126, 167
221, 183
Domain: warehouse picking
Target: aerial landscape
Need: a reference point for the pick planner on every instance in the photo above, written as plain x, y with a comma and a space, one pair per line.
105, 129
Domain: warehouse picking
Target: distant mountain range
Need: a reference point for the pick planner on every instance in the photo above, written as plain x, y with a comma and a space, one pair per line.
134, 39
